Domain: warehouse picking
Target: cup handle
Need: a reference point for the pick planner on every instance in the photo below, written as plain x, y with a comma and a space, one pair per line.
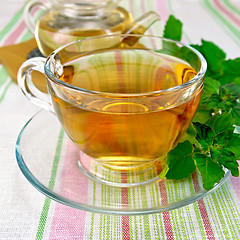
28, 18
143, 23
25, 83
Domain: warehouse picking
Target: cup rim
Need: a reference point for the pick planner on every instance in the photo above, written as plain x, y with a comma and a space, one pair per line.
199, 76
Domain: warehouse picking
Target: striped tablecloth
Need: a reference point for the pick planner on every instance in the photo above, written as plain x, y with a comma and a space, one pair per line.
27, 214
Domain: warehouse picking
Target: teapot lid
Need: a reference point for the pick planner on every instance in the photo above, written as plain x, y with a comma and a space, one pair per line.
87, 7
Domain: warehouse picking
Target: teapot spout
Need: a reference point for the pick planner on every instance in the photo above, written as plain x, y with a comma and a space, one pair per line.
142, 24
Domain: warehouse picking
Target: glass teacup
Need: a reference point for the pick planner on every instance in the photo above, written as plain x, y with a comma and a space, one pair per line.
124, 100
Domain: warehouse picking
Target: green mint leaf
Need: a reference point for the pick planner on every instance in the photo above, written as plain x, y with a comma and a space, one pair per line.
204, 133
221, 152
233, 90
197, 47
233, 144
189, 56
226, 158
211, 171
235, 80
236, 115
226, 100
180, 161
211, 134
210, 87
202, 114
189, 135
173, 29
214, 56
222, 139
231, 71
170, 48
221, 122
215, 102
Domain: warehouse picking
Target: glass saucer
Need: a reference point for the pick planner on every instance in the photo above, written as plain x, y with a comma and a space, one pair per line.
49, 161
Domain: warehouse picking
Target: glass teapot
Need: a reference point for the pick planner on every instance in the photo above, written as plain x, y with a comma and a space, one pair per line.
67, 21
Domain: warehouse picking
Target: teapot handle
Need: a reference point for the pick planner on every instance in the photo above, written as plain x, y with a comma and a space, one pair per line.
141, 25
28, 18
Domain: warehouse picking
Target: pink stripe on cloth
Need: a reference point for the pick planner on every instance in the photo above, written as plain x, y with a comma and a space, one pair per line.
166, 215
235, 3
162, 9
125, 219
119, 62
7, 19
67, 222
236, 182
203, 210
12, 38
131, 7
228, 13
164, 12
150, 30
18, 30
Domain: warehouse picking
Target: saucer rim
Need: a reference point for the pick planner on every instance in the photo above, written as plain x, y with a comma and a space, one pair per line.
91, 208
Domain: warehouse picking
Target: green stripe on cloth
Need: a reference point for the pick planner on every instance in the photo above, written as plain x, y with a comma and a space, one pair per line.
28, 35
188, 222
5, 91
174, 217
154, 198
147, 233
92, 224
101, 236
25, 36
231, 7
46, 206
215, 221
199, 220
43, 219
132, 199
220, 216
226, 212
185, 35
179, 224
197, 212
222, 19
4, 33
130, 203
157, 27
12, 23
196, 207
230, 209
93, 215
233, 207
3, 75
157, 223
105, 226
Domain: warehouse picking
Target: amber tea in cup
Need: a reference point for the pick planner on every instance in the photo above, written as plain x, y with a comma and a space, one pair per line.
121, 132
124, 107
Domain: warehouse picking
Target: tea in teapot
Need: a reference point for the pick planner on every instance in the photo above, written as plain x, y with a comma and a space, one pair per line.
66, 21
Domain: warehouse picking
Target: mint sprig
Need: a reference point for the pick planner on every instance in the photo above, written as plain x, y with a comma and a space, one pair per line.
211, 143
